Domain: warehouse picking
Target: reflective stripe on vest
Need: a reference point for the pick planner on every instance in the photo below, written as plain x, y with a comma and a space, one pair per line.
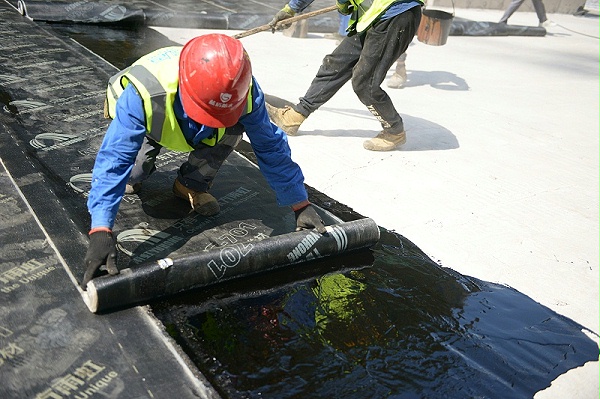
156, 79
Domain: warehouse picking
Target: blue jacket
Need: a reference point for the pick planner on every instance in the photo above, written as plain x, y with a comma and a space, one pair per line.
126, 133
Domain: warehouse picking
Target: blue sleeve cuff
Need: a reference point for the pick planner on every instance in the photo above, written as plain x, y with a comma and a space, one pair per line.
102, 218
292, 195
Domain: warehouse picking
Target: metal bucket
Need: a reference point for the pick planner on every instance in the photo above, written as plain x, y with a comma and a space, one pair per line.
435, 27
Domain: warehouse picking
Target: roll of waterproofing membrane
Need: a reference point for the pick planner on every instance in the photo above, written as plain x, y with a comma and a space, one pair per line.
95, 12
169, 276
465, 27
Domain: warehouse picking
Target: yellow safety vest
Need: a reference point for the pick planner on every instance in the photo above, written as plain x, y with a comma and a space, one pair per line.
156, 78
366, 12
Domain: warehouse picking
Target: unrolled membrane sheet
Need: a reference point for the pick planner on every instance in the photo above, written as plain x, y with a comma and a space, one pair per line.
51, 345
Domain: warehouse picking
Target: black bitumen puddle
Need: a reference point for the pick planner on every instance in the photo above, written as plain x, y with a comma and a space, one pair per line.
388, 322
394, 324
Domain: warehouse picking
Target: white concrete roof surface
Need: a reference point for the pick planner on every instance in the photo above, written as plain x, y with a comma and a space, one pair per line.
499, 177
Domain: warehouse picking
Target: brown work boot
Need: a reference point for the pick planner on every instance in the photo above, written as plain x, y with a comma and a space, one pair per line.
201, 202
287, 118
385, 141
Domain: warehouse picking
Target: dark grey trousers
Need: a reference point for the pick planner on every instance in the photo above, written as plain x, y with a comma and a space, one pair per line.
366, 59
539, 7
199, 171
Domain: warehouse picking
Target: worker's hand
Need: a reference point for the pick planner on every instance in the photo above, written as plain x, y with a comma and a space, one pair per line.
344, 7
308, 218
102, 250
283, 14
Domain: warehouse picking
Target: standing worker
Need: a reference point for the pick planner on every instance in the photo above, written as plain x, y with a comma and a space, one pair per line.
200, 99
379, 32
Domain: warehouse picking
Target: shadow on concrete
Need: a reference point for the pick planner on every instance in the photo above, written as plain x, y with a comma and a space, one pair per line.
422, 135
437, 79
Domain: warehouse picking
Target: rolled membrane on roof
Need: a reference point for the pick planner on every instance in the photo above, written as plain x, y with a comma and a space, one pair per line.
171, 276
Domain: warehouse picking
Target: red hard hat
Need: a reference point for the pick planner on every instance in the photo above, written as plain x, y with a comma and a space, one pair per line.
214, 78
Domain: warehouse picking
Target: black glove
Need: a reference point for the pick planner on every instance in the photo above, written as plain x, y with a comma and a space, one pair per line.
102, 250
283, 14
308, 218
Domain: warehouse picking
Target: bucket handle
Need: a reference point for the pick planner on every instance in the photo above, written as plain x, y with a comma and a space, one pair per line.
453, 9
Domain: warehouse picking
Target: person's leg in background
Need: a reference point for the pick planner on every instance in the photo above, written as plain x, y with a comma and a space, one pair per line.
398, 79
510, 10
540, 11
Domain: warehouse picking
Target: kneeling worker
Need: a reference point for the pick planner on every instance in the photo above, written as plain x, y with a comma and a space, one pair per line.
200, 99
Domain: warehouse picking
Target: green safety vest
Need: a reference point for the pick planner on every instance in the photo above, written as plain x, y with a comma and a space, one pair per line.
155, 76
366, 12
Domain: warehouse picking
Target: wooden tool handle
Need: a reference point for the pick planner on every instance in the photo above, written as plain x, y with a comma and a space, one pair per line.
284, 22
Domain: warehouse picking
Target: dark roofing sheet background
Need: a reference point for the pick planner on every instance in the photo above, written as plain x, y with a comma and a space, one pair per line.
393, 323
189, 13
51, 346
